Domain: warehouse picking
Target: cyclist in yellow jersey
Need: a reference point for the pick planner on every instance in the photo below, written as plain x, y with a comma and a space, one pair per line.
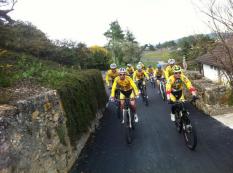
130, 70
128, 89
174, 87
168, 70
143, 66
150, 71
140, 75
159, 74
111, 74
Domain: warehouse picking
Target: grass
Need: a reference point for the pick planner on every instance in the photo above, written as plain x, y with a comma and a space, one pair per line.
152, 57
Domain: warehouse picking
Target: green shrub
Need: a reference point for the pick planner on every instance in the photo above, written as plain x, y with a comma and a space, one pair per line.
82, 94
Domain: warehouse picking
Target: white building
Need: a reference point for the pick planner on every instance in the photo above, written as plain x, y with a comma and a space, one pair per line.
212, 65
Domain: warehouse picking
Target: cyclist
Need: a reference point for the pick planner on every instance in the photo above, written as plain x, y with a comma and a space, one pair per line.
174, 88
130, 70
111, 74
143, 66
151, 72
139, 75
159, 73
128, 89
168, 71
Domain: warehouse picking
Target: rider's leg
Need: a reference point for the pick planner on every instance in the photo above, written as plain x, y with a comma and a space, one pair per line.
133, 106
173, 98
122, 102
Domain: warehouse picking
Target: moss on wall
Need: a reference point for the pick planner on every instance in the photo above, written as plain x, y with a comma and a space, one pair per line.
82, 94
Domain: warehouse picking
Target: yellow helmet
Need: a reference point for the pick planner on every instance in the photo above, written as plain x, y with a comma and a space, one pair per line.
176, 69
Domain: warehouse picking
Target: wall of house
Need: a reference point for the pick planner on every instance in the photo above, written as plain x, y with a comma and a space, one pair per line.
211, 72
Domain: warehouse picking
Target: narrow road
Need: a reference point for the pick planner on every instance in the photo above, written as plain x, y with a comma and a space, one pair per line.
157, 147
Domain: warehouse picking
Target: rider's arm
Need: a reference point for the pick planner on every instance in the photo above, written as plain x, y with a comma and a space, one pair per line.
169, 87
114, 86
188, 84
134, 75
166, 73
107, 78
135, 88
147, 76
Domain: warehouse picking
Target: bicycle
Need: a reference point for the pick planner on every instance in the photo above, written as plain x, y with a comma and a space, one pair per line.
183, 124
152, 81
162, 88
130, 124
142, 88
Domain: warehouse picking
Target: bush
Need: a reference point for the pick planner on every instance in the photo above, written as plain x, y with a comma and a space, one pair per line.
82, 94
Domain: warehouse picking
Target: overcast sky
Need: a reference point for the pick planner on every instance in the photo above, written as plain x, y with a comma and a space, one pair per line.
151, 21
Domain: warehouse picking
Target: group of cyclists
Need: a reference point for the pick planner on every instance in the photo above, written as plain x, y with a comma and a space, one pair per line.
124, 80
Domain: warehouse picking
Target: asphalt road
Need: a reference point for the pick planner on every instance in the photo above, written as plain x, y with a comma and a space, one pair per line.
157, 146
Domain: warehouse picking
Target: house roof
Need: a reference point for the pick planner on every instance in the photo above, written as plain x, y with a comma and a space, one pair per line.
219, 56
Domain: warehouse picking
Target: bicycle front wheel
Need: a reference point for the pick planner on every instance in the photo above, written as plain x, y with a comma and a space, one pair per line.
129, 128
190, 136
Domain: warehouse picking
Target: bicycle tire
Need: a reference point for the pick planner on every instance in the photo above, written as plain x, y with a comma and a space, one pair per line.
129, 135
178, 122
145, 96
190, 136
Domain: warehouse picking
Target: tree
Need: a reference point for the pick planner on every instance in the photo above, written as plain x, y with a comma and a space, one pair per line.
129, 36
115, 32
220, 21
6, 6
100, 57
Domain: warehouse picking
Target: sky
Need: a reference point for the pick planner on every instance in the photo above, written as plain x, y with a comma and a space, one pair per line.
151, 21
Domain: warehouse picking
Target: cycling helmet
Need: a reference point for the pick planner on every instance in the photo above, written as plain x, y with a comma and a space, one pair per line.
176, 69
129, 65
159, 66
113, 66
171, 61
139, 67
139, 62
122, 70
150, 66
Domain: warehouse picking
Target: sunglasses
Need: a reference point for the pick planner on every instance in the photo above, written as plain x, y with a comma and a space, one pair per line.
122, 74
177, 73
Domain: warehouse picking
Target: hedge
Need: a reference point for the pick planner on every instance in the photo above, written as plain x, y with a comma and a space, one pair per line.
82, 94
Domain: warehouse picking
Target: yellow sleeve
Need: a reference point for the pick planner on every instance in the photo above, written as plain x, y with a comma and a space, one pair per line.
134, 75
135, 88
166, 73
114, 87
107, 78
169, 85
147, 76
186, 81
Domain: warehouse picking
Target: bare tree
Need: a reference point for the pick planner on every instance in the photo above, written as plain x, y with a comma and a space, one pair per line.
219, 14
6, 6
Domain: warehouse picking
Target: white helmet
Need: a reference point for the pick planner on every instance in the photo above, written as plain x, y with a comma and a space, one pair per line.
139, 62
113, 66
139, 67
129, 65
122, 70
171, 61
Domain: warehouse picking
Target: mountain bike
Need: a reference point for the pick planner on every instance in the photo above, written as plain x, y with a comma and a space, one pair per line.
142, 88
183, 124
162, 88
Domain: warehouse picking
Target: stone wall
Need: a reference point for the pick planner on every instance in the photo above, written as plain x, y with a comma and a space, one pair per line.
33, 136
213, 96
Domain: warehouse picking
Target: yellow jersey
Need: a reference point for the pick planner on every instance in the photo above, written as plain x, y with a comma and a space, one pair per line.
111, 75
139, 75
124, 85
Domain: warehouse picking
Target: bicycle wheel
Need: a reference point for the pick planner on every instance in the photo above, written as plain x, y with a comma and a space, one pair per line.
190, 136
178, 122
163, 93
145, 96
129, 130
